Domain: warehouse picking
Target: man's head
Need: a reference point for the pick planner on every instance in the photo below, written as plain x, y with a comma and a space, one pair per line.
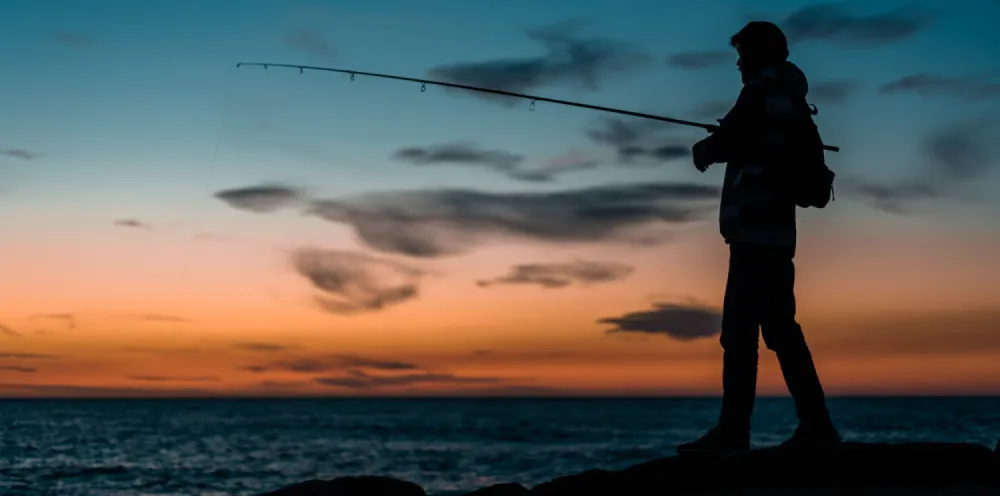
759, 44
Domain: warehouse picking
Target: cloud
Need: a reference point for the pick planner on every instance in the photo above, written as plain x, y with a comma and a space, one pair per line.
73, 39
352, 283
328, 363
681, 322
360, 380
9, 332
77, 391
969, 88
584, 62
18, 368
18, 153
309, 41
959, 153
256, 346
26, 356
834, 91
829, 22
132, 223
169, 378
637, 139
460, 153
560, 275
261, 199
507, 163
701, 59
68, 318
433, 223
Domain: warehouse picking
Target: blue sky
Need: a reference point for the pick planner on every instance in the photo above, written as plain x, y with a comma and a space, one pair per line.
137, 109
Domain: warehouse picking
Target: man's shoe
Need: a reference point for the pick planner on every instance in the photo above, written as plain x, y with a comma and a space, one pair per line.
813, 437
717, 442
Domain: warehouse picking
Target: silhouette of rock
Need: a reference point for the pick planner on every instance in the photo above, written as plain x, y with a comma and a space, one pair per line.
508, 489
352, 486
909, 468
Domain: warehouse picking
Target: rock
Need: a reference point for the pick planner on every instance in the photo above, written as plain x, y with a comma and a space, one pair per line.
508, 489
352, 486
852, 465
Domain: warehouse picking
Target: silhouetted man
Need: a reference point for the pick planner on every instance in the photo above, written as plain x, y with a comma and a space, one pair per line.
757, 140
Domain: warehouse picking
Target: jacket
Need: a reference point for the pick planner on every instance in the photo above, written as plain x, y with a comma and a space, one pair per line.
755, 139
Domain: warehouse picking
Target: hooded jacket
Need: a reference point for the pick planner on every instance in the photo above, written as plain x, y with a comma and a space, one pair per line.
755, 140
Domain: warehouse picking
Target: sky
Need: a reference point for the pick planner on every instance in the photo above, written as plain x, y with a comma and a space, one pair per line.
177, 226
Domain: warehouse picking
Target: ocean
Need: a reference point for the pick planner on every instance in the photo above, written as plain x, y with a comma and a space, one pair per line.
449, 446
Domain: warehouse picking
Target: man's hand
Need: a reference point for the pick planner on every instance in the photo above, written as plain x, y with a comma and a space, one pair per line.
700, 155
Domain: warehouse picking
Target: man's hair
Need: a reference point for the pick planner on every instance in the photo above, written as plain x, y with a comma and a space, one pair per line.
763, 40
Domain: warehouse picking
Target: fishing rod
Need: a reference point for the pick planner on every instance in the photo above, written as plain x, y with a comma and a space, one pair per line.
532, 98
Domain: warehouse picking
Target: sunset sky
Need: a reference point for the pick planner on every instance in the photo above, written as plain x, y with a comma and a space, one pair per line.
173, 225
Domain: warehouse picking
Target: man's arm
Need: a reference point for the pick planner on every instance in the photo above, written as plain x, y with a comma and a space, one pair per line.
732, 129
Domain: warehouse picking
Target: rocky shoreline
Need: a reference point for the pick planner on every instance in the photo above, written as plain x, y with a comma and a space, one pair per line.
854, 468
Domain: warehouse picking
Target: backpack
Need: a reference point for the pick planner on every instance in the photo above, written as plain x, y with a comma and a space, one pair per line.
810, 180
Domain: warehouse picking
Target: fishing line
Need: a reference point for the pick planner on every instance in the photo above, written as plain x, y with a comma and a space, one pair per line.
211, 173
532, 98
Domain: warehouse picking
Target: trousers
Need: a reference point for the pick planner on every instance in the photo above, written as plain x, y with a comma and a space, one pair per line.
760, 300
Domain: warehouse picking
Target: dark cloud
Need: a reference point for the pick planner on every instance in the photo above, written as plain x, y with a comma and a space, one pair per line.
309, 41
328, 363
637, 139
18, 153
702, 59
360, 380
461, 153
132, 223
510, 164
73, 39
18, 368
256, 346
970, 88
26, 356
585, 62
834, 91
67, 318
431, 223
9, 332
959, 153
76, 391
173, 378
350, 283
560, 275
830, 22
681, 322
261, 199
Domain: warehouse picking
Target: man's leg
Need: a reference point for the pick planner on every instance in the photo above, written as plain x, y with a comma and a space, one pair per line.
783, 335
740, 333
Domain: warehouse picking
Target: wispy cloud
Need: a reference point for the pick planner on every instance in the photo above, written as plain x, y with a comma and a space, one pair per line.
360, 380
18, 368
9, 332
18, 153
684, 322
258, 346
832, 23
568, 58
351, 283
173, 378
68, 319
701, 59
969, 88
560, 275
132, 223
309, 41
265, 198
329, 363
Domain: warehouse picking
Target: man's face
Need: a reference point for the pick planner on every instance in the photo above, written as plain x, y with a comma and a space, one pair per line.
739, 58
